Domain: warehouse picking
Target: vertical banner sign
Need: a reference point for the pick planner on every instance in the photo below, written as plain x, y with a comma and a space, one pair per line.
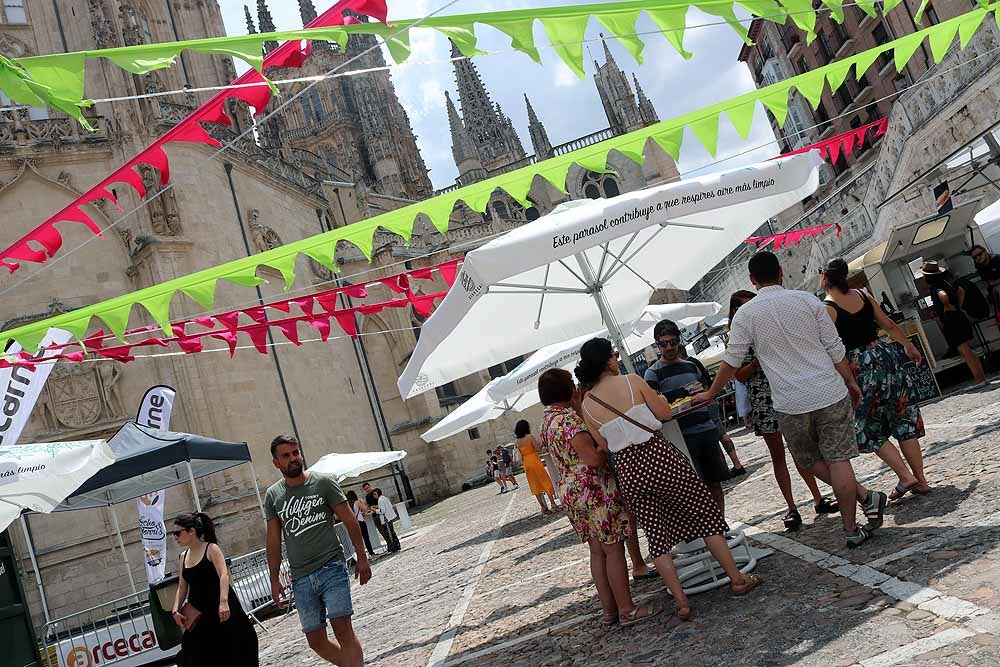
22, 386
154, 412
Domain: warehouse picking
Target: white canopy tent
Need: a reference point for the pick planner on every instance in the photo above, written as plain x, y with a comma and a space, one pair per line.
538, 284
989, 224
517, 391
344, 466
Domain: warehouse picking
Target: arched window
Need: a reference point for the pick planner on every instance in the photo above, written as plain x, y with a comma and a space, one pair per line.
501, 210
600, 186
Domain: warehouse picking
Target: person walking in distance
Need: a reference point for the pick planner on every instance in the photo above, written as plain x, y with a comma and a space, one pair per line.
812, 387
948, 298
494, 469
300, 509
506, 460
371, 508
388, 516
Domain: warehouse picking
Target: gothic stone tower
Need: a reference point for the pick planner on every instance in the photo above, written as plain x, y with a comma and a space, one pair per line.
355, 125
624, 113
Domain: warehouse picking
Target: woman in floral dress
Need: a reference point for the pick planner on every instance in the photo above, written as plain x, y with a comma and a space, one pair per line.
590, 496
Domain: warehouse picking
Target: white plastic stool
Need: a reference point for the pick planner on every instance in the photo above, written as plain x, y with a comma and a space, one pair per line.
699, 571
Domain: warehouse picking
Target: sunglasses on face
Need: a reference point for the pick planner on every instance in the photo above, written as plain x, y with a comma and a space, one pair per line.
668, 342
177, 533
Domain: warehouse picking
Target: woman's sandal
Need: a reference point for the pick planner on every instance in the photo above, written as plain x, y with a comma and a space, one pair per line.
609, 620
827, 506
792, 520
634, 616
750, 582
900, 491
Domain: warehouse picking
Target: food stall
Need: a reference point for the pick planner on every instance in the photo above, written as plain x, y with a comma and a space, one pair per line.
891, 271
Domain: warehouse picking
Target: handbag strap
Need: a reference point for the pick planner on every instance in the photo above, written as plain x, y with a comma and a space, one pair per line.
622, 414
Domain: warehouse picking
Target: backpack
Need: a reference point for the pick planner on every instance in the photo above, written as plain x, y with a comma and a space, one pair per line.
975, 304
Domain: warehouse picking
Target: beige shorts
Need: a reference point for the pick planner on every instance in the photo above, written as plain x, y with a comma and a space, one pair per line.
821, 436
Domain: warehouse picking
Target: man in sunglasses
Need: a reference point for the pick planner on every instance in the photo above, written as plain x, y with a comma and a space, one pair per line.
988, 267
677, 378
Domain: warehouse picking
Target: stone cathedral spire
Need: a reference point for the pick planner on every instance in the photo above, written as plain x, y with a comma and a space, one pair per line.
462, 148
266, 23
646, 109
616, 94
251, 28
307, 11
539, 137
491, 132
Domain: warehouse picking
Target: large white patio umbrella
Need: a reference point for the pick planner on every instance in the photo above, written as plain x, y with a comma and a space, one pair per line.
41, 476
593, 264
518, 390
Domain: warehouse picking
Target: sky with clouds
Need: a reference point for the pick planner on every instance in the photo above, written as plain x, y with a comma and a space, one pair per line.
569, 107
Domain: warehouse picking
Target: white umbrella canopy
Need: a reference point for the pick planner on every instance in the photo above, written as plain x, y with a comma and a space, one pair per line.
343, 466
595, 263
41, 476
518, 390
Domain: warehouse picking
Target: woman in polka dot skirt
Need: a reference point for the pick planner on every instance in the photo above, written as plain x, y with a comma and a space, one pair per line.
668, 498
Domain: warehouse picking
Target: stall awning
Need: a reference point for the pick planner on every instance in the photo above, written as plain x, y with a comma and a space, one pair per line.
147, 460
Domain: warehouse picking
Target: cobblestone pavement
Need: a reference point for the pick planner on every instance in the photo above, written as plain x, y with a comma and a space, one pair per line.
487, 580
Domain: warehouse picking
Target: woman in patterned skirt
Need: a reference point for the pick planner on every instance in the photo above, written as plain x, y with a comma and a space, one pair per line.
589, 496
765, 424
671, 502
886, 410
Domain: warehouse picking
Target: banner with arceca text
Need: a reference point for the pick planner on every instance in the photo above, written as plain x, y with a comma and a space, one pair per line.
154, 412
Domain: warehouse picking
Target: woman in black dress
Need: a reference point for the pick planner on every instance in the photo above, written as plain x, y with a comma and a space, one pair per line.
948, 296
217, 632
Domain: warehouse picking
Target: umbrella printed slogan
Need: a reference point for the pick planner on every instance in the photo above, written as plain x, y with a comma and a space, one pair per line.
675, 206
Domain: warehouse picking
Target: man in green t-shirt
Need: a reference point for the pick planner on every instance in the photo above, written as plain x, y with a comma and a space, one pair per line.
301, 509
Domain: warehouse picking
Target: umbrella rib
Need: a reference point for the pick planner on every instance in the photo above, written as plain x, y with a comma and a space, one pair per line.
574, 273
536, 289
623, 263
607, 251
541, 301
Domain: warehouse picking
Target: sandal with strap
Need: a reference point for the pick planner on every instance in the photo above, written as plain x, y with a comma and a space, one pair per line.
792, 520
827, 506
637, 615
750, 582
899, 491
609, 620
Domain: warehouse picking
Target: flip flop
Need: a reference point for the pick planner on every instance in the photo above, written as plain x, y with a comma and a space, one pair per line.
634, 616
899, 491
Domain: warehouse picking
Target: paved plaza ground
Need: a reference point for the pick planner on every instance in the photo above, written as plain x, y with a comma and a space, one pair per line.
486, 580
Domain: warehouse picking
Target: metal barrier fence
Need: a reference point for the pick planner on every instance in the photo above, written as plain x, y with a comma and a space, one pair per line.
121, 632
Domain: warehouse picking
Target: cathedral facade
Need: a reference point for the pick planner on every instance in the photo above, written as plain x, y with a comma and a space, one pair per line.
342, 152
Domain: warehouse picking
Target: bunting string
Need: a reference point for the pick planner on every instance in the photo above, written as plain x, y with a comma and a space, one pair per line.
667, 134
790, 238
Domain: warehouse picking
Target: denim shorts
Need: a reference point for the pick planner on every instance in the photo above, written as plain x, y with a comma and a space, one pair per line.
323, 595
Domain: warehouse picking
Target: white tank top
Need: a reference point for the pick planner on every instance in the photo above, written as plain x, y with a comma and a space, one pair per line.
621, 433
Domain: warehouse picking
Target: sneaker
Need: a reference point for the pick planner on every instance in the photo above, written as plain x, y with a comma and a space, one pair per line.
874, 507
860, 535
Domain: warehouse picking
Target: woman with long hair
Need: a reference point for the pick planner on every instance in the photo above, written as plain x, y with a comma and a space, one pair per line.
672, 504
217, 631
765, 424
360, 510
538, 477
590, 496
885, 410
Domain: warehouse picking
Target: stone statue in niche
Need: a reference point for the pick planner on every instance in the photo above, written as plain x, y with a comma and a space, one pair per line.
264, 238
164, 216
111, 374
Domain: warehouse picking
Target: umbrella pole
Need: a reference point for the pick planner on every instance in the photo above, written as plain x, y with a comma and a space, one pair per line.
256, 488
194, 487
602, 305
34, 564
121, 544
